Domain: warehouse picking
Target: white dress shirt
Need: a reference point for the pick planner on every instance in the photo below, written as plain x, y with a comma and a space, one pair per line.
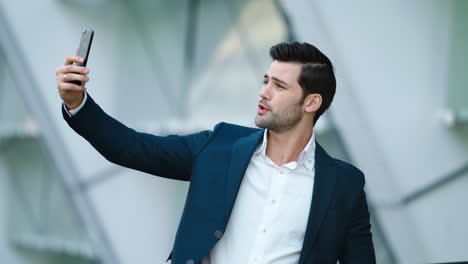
269, 217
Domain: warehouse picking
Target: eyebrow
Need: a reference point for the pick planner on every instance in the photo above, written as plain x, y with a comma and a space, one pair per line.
276, 80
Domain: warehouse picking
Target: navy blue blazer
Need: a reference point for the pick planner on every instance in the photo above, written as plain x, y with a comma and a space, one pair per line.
214, 162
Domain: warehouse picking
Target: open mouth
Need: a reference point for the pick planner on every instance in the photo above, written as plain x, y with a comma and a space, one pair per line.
262, 109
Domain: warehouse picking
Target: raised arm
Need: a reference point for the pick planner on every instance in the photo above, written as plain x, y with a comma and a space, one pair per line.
169, 157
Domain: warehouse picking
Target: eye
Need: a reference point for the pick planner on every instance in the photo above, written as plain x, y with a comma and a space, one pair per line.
280, 86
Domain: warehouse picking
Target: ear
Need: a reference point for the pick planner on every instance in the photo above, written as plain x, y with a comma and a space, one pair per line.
312, 103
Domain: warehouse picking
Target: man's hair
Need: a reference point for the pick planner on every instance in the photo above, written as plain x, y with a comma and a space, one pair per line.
316, 74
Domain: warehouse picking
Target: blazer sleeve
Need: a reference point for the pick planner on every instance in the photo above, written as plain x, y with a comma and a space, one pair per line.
169, 156
359, 247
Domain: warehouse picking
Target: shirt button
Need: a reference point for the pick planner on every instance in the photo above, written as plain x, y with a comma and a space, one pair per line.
273, 201
189, 261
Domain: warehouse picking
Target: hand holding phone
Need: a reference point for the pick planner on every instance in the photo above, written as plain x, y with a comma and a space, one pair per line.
72, 75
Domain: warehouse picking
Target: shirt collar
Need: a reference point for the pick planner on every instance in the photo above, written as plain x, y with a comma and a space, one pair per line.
306, 157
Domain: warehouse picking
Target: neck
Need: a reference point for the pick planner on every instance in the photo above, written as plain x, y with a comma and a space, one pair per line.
287, 146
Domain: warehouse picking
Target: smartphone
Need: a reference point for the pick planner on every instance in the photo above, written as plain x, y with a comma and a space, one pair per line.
84, 48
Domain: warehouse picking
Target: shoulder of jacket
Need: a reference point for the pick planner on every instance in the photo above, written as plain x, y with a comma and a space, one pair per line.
352, 172
234, 128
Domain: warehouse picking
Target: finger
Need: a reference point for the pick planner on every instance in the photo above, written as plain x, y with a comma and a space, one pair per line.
73, 58
71, 69
70, 77
70, 87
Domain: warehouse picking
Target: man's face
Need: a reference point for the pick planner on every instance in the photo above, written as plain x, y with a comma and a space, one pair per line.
279, 108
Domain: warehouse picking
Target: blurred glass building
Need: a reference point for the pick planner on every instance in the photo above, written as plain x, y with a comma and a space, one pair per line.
400, 114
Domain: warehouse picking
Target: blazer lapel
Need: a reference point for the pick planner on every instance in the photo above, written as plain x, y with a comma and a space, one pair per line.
324, 183
242, 151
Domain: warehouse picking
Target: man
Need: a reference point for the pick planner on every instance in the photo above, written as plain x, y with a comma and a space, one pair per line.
269, 195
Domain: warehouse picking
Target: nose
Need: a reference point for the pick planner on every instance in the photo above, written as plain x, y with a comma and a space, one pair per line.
265, 92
